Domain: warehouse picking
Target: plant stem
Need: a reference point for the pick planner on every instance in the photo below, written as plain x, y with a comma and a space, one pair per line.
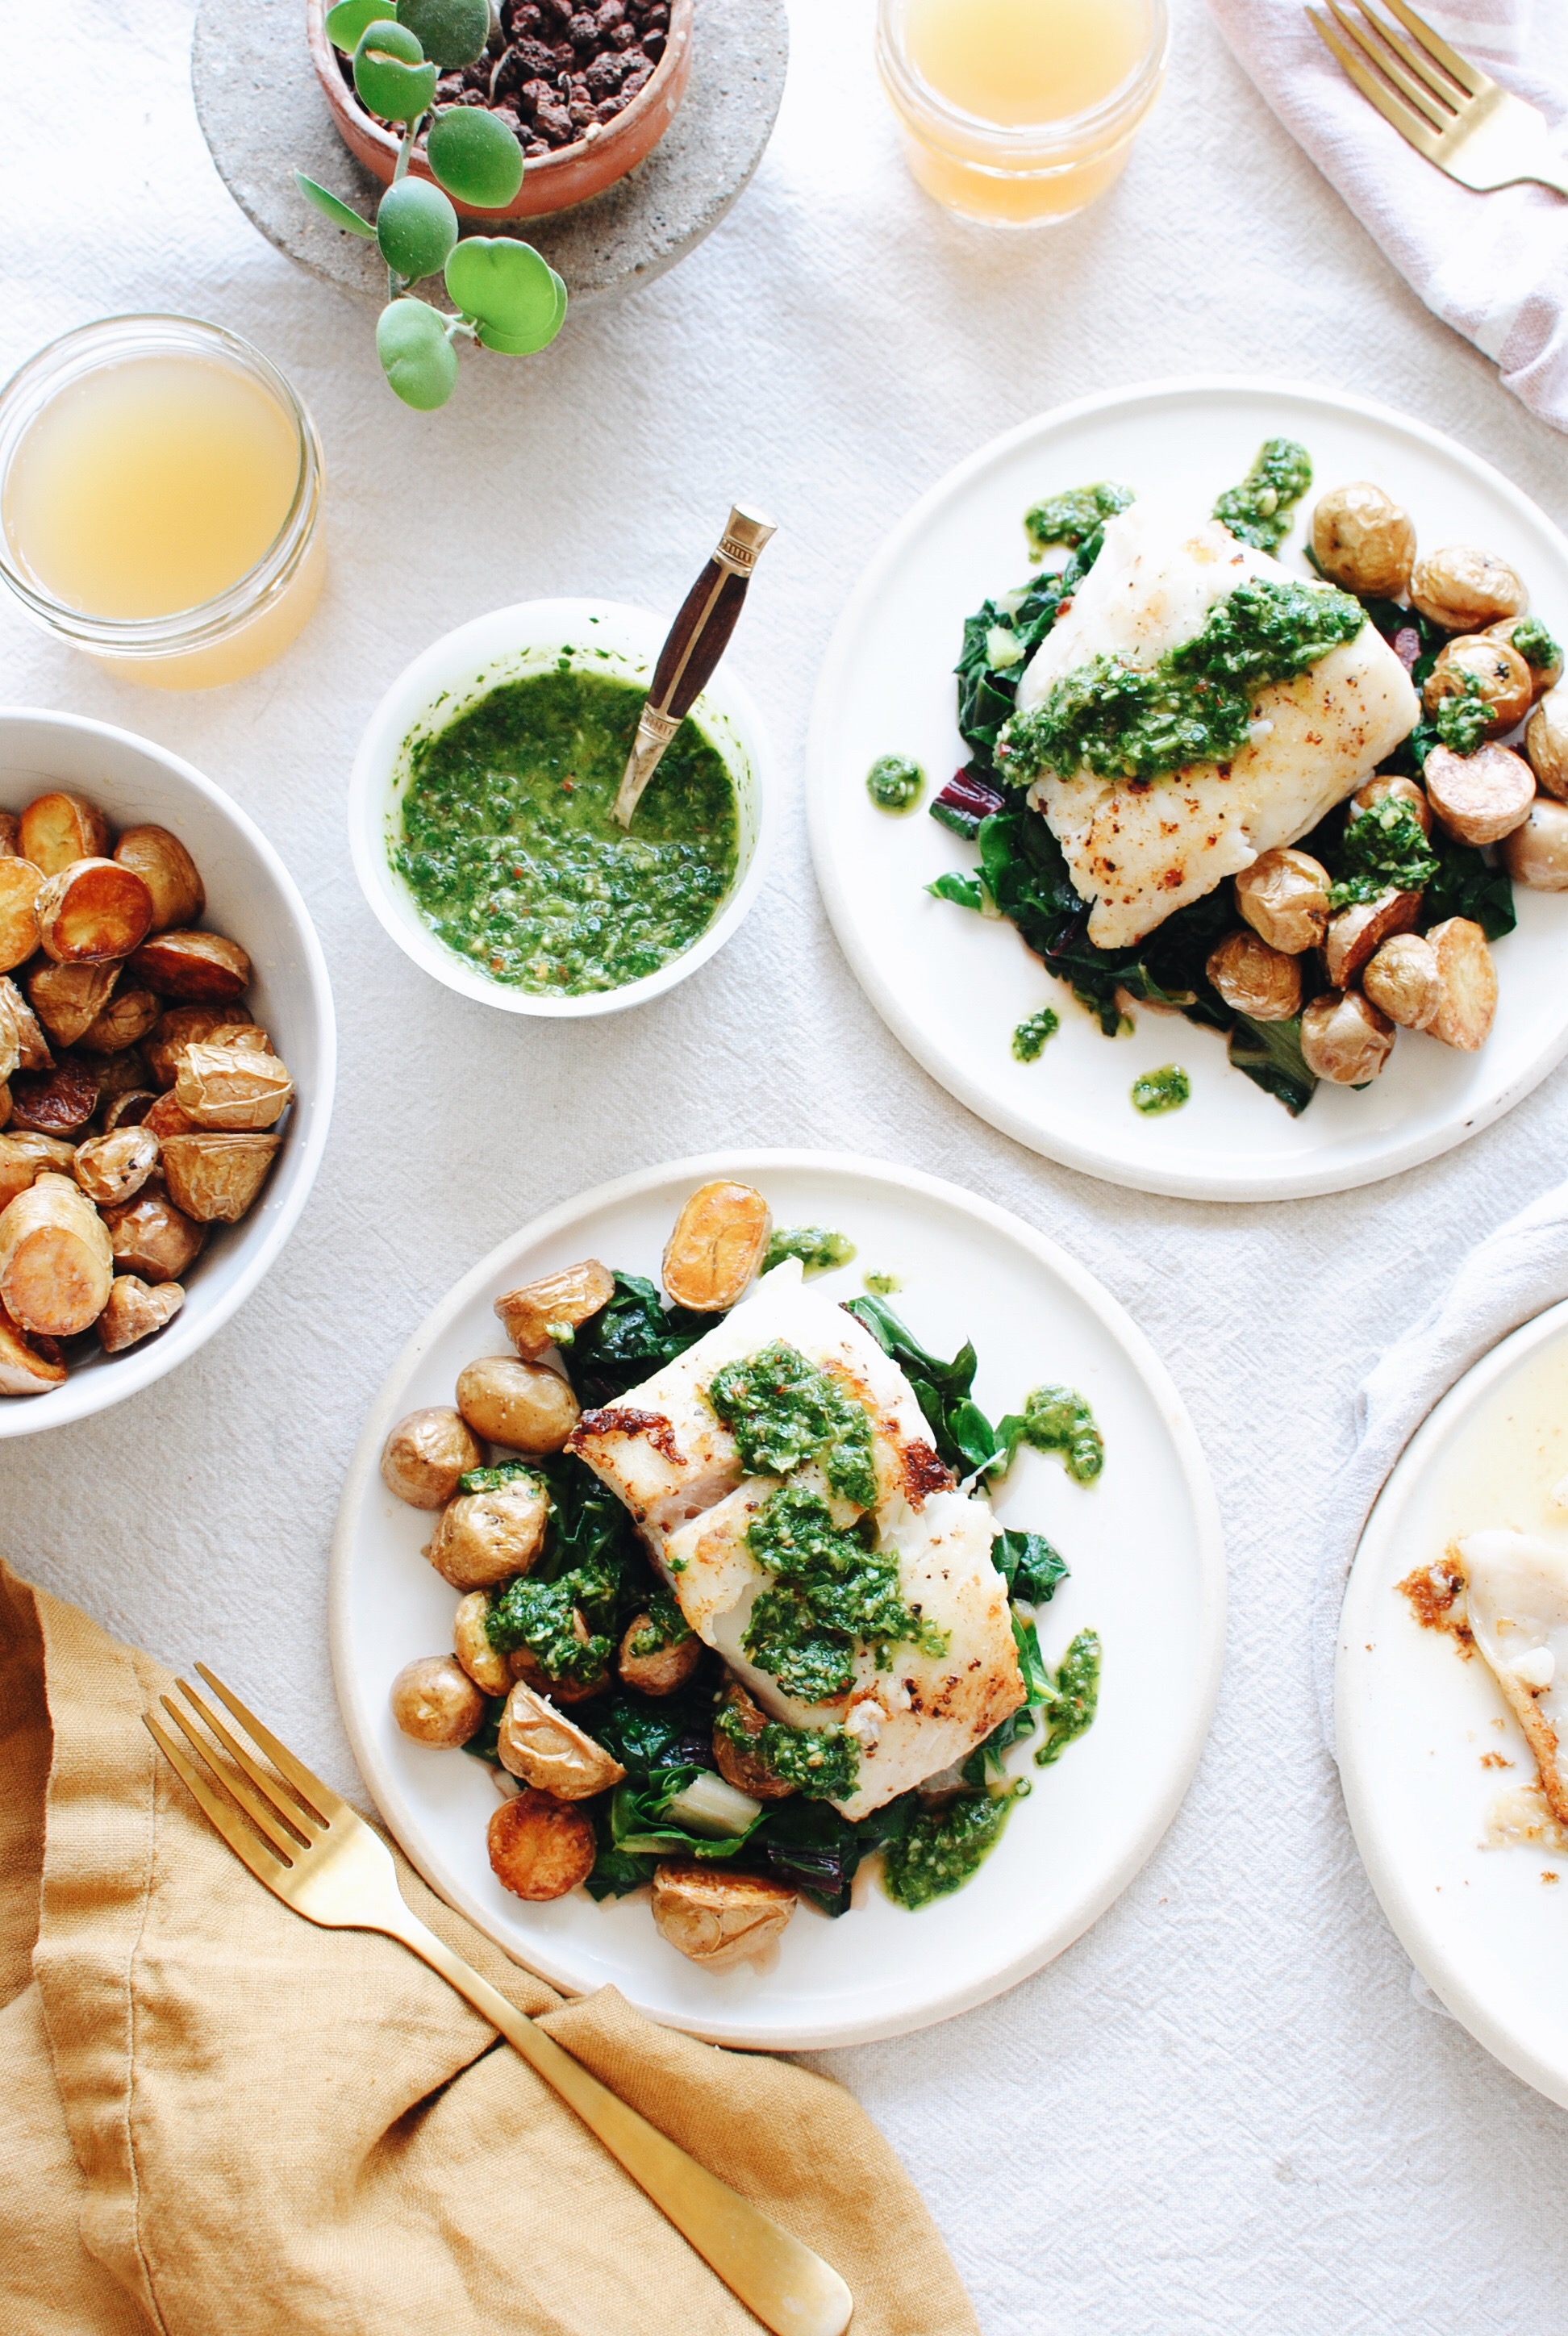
406, 151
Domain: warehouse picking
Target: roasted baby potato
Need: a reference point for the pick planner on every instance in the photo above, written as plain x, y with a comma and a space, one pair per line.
20, 885
178, 1026
28, 1365
1254, 979
485, 1664
718, 1244
10, 828
128, 1110
150, 1237
715, 1918
524, 1664
164, 1117
69, 998
1481, 797
434, 1701
57, 828
1357, 933
54, 1103
112, 1168
1284, 897
56, 1266
202, 967
1402, 980
539, 1847
1464, 589
425, 1455
546, 1750
736, 1765
1546, 742
34, 1047
132, 1312
521, 1406
91, 912
652, 1663
1377, 790
546, 1312
169, 872
232, 1086
10, 1043
1469, 980
215, 1177
125, 1021
23, 1157
1363, 540
1346, 1038
1545, 675
1484, 666
483, 1538
1536, 853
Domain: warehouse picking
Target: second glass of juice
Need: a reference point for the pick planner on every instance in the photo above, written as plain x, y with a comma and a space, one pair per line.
1020, 113
160, 499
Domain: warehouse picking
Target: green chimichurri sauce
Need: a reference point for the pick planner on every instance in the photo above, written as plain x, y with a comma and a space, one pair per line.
1384, 849
823, 1764
1166, 1089
513, 853
1059, 1419
818, 1249
1259, 510
1075, 1699
783, 1410
943, 1847
829, 1593
1071, 518
1195, 705
1029, 1038
894, 783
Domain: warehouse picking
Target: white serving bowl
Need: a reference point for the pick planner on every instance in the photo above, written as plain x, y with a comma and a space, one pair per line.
606, 636
252, 897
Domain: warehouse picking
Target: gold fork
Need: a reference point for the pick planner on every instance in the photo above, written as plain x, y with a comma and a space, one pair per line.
320, 1857
1448, 108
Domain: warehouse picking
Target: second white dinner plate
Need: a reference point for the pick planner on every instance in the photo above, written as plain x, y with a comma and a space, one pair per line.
953, 986
1146, 1573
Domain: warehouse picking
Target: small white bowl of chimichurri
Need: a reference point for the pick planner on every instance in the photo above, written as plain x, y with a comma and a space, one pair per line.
481, 822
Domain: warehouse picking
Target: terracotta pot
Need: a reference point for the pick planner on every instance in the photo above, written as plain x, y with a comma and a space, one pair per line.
552, 182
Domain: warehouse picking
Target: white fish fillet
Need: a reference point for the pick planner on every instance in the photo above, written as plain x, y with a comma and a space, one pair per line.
1517, 1611
1137, 847
678, 1472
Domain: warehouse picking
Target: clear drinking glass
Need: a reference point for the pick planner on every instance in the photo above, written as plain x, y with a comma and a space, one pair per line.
1020, 133
240, 624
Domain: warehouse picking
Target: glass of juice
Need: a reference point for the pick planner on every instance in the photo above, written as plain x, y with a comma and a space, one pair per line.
161, 492
1020, 113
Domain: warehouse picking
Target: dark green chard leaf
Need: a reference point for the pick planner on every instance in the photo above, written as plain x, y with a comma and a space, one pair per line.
809, 1844
634, 1335
1270, 1053
1039, 1688
666, 1731
963, 1435
1031, 1568
1467, 885
615, 1871
963, 891
640, 1823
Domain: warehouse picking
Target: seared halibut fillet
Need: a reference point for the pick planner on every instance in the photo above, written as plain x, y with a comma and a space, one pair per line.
917, 1707
1138, 849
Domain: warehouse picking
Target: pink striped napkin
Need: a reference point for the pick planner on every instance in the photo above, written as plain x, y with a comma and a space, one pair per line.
1495, 265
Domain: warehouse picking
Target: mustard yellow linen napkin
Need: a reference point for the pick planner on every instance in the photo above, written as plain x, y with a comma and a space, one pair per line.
216, 2117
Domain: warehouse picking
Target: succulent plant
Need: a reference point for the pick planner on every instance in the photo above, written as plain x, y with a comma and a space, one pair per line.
506, 296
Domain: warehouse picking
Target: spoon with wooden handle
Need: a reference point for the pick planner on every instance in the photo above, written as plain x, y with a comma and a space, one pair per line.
698, 639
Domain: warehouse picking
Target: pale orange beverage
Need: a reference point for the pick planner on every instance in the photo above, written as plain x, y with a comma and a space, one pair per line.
1020, 111
160, 500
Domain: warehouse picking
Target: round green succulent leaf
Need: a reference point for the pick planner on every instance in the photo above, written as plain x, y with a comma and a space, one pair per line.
475, 156
452, 31
513, 295
331, 206
347, 21
416, 227
390, 73
417, 356
539, 336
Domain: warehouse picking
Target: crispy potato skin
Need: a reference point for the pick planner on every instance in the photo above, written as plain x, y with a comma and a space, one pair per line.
92, 911
1492, 667
1377, 790
150, 1237
203, 968
716, 1918
425, 1454
533, 1316
541, 1746
1536, 853
132, 1312
665, 1670
1480, 797
232, 1088
718, 1242
54, 1103
471, 1644
113, 1168
1346, 1038
1357, 933
481, 1539
1468, 977
1402, 980
124, 1022
20, 885
1546, 742
169, 872
1284, 897
69, 998
1254, 979
178, 1026
56, 1267
215, 1177
23, 1157
523, 1407
57, 828
35, 1053
29, 1365
1364, 540
1464, 589
738, 1766
539, 1847
434, 1701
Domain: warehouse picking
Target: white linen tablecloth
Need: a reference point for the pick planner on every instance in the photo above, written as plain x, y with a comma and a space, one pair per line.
1222, 2109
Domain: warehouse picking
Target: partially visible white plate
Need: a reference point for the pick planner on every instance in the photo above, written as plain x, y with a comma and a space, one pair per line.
1488, 1929
1147, 1573
952, 986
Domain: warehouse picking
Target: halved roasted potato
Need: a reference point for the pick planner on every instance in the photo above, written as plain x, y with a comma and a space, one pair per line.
25, 1156
717, 1247
124, 1022
113, 1168
56, 1266
169, 872
151, 1237
232, 1086
69, 998
132, 1312
1480, 797
715, 1918
546, 1312
59, 1101
540, 1847
20, 885
215, 1177
91, 911
1356, 935
34, 1053
59, 827
1468, 978
29, 1365
178, 1026
203, 968
545, 1749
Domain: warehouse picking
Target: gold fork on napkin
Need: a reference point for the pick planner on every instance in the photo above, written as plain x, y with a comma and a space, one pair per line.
1446, 107
318, 1854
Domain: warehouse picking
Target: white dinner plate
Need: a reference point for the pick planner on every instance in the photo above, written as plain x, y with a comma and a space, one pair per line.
1488, 1929
952, 985
1147, 1573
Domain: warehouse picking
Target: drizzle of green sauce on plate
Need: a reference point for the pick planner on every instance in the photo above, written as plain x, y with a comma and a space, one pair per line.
1029, 1038
943, 1847
1166, 1089
818, 1249
514, 859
